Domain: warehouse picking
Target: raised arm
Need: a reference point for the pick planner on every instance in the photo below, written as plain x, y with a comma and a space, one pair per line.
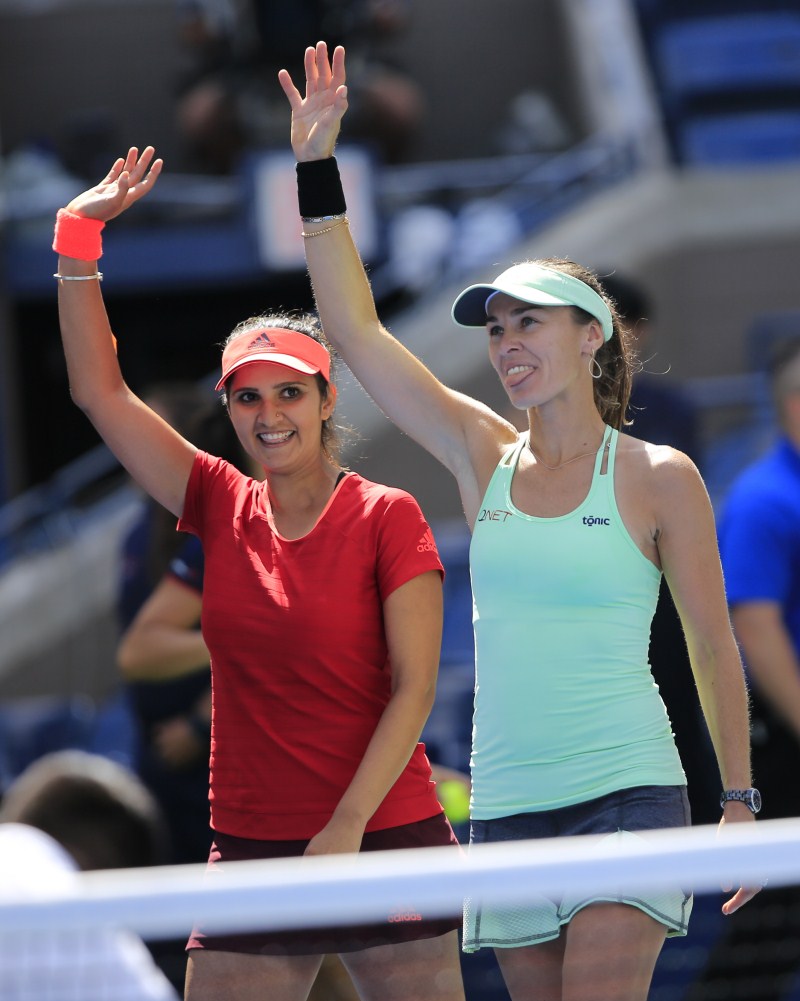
157, 457
453, 427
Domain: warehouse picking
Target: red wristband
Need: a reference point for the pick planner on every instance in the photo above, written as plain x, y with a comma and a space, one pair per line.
77, 236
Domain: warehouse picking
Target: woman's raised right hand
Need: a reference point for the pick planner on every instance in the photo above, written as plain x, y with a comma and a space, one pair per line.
127, 181
316, 118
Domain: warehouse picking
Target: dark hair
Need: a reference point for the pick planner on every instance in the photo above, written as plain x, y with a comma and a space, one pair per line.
632, 303
302, 323
97, 809
616, 356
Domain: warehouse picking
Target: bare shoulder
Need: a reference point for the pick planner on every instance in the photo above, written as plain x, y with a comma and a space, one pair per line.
656, 460
659, 494
663, 473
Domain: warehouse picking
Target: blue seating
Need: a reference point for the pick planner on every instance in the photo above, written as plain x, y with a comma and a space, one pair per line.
448, 730
762, 137
115, 733
36, 725
728, 77
740, 52
457, 637
31, 727
458, 645
682, 959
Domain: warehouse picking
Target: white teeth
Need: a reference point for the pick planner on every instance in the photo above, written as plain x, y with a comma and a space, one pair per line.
519, 368
275, 436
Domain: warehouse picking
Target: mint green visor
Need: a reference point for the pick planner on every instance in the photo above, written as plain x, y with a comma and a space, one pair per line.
534, 284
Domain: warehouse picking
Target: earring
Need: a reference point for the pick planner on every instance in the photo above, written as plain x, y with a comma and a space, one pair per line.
595, 368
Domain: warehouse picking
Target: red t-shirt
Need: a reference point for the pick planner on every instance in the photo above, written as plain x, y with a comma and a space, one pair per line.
299, 658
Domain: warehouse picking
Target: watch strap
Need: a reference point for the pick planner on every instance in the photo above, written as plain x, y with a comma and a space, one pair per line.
750, 797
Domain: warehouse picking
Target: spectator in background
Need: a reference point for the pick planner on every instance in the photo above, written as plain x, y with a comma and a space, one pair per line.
663, 414
68, 811
235, 48
759, 535
760, 546
167, 674
172, 707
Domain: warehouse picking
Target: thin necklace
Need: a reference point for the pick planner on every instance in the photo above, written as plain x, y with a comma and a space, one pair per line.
566, 462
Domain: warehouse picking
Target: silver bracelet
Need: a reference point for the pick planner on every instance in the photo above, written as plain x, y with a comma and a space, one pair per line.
98, 276
322, 218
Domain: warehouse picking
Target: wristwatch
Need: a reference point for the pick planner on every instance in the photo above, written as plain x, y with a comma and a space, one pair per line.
750, 797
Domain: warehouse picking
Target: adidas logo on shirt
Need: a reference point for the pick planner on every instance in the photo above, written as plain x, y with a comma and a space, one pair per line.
427, 545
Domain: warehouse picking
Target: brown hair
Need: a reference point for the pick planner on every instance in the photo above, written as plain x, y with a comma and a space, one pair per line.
333, 435
97, 809
616, 357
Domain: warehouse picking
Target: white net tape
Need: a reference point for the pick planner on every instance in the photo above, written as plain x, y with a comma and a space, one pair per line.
350, 889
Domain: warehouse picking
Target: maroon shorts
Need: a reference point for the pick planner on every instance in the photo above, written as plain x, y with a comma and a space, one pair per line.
405, 927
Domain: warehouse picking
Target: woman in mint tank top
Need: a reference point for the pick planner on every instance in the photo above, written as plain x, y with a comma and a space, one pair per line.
573, 522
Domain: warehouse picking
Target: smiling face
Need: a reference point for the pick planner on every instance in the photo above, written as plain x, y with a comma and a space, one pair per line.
539, 352
278, 413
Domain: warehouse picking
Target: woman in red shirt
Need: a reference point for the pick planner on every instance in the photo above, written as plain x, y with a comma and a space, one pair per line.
322, 611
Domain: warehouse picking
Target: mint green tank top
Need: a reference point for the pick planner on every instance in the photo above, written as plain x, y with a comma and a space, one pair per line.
566, 708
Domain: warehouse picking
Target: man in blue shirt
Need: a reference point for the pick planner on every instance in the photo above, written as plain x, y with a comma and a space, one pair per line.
758, 955
760, 548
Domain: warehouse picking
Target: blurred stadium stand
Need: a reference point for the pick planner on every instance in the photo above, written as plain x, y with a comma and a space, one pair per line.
728, 77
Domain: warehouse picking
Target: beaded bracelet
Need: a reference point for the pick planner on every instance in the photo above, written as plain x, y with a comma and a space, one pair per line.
98, 275
341, 220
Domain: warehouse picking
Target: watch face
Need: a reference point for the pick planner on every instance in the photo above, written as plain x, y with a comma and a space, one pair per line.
750, 797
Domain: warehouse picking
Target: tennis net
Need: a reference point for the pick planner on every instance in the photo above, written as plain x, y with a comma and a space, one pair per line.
165, 902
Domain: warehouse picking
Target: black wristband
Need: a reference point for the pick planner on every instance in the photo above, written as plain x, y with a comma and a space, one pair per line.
319, 188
